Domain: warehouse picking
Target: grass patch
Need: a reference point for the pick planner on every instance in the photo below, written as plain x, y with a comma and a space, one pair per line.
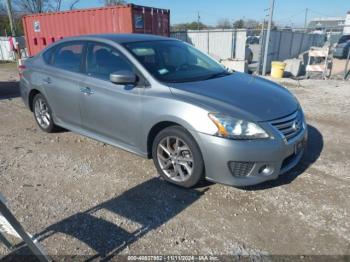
8, 65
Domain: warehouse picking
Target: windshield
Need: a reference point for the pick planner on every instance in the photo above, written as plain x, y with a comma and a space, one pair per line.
175, 61
344, 39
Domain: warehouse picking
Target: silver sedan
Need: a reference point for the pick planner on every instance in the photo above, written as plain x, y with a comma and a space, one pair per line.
163, 99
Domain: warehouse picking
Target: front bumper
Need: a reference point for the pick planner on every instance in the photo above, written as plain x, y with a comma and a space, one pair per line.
276, 154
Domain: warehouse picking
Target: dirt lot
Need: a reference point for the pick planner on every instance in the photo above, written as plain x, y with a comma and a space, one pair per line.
339, 67
82, 197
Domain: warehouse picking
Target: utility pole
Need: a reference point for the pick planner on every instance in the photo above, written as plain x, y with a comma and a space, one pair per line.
267, 41
305, 22
198, 19
9, 13
262, 43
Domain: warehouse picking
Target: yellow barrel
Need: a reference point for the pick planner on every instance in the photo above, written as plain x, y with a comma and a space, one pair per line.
277, 69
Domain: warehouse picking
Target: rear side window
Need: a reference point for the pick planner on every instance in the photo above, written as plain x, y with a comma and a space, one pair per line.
68, 57
47, 56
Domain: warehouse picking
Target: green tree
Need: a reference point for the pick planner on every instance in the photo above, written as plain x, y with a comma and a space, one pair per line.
23, 7
40, 6
4, 25
189, 26
114, 2
224, 23
252, 24
238, 24
32, 6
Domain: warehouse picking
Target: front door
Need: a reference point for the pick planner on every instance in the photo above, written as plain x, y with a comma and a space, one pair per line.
110, 110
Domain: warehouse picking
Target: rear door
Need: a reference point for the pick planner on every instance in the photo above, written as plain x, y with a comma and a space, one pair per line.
62, 82
110, 110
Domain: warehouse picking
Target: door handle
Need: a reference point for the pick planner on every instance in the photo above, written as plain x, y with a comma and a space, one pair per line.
47, 80
87, 91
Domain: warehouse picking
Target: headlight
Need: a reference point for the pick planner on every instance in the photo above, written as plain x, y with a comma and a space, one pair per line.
230, 127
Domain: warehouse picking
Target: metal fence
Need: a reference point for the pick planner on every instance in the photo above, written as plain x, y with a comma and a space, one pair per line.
220, 44
333, 37
287, 44
232, 44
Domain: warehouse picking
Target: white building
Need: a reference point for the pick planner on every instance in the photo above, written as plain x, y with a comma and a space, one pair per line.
327, 24
346, 30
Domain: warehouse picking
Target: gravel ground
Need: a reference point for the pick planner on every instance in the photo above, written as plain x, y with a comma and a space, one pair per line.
82, 197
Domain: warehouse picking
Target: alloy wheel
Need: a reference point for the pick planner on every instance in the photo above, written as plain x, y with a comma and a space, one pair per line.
175, 158
41, 111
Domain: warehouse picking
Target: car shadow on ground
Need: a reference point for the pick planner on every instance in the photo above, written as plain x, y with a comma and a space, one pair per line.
9, 89
111, 226
312, 153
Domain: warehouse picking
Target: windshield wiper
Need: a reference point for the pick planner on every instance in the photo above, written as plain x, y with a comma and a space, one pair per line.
220, 74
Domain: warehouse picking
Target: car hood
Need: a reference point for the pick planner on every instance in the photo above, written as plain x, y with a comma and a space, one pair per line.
240, 95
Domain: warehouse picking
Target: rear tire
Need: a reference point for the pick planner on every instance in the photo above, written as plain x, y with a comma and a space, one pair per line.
43, 114
177, 157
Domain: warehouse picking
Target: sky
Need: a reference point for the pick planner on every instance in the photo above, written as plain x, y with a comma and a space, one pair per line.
290, 13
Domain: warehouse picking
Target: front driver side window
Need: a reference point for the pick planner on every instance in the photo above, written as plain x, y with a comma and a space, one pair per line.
102, 60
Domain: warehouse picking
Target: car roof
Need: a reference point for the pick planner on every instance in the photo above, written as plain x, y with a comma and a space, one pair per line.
123, 38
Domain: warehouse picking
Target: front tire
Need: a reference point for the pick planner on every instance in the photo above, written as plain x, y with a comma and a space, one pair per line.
177, 157
43, 114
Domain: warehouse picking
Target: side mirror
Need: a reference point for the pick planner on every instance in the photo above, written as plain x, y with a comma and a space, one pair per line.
123, 77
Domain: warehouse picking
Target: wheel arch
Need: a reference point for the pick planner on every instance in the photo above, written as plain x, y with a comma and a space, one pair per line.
156, 128
189, 132
163, 123
31, 96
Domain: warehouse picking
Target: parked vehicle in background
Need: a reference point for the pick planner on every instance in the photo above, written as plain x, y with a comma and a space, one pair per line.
161, 98
342, 48
252, 40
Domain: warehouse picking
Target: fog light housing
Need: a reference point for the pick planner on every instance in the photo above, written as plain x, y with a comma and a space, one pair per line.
240, 169
265, 170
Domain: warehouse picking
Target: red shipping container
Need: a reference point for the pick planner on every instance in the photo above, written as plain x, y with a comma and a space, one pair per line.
41, 30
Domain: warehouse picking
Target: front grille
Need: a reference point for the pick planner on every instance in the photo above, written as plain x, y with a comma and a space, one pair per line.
240, 169
289, 126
